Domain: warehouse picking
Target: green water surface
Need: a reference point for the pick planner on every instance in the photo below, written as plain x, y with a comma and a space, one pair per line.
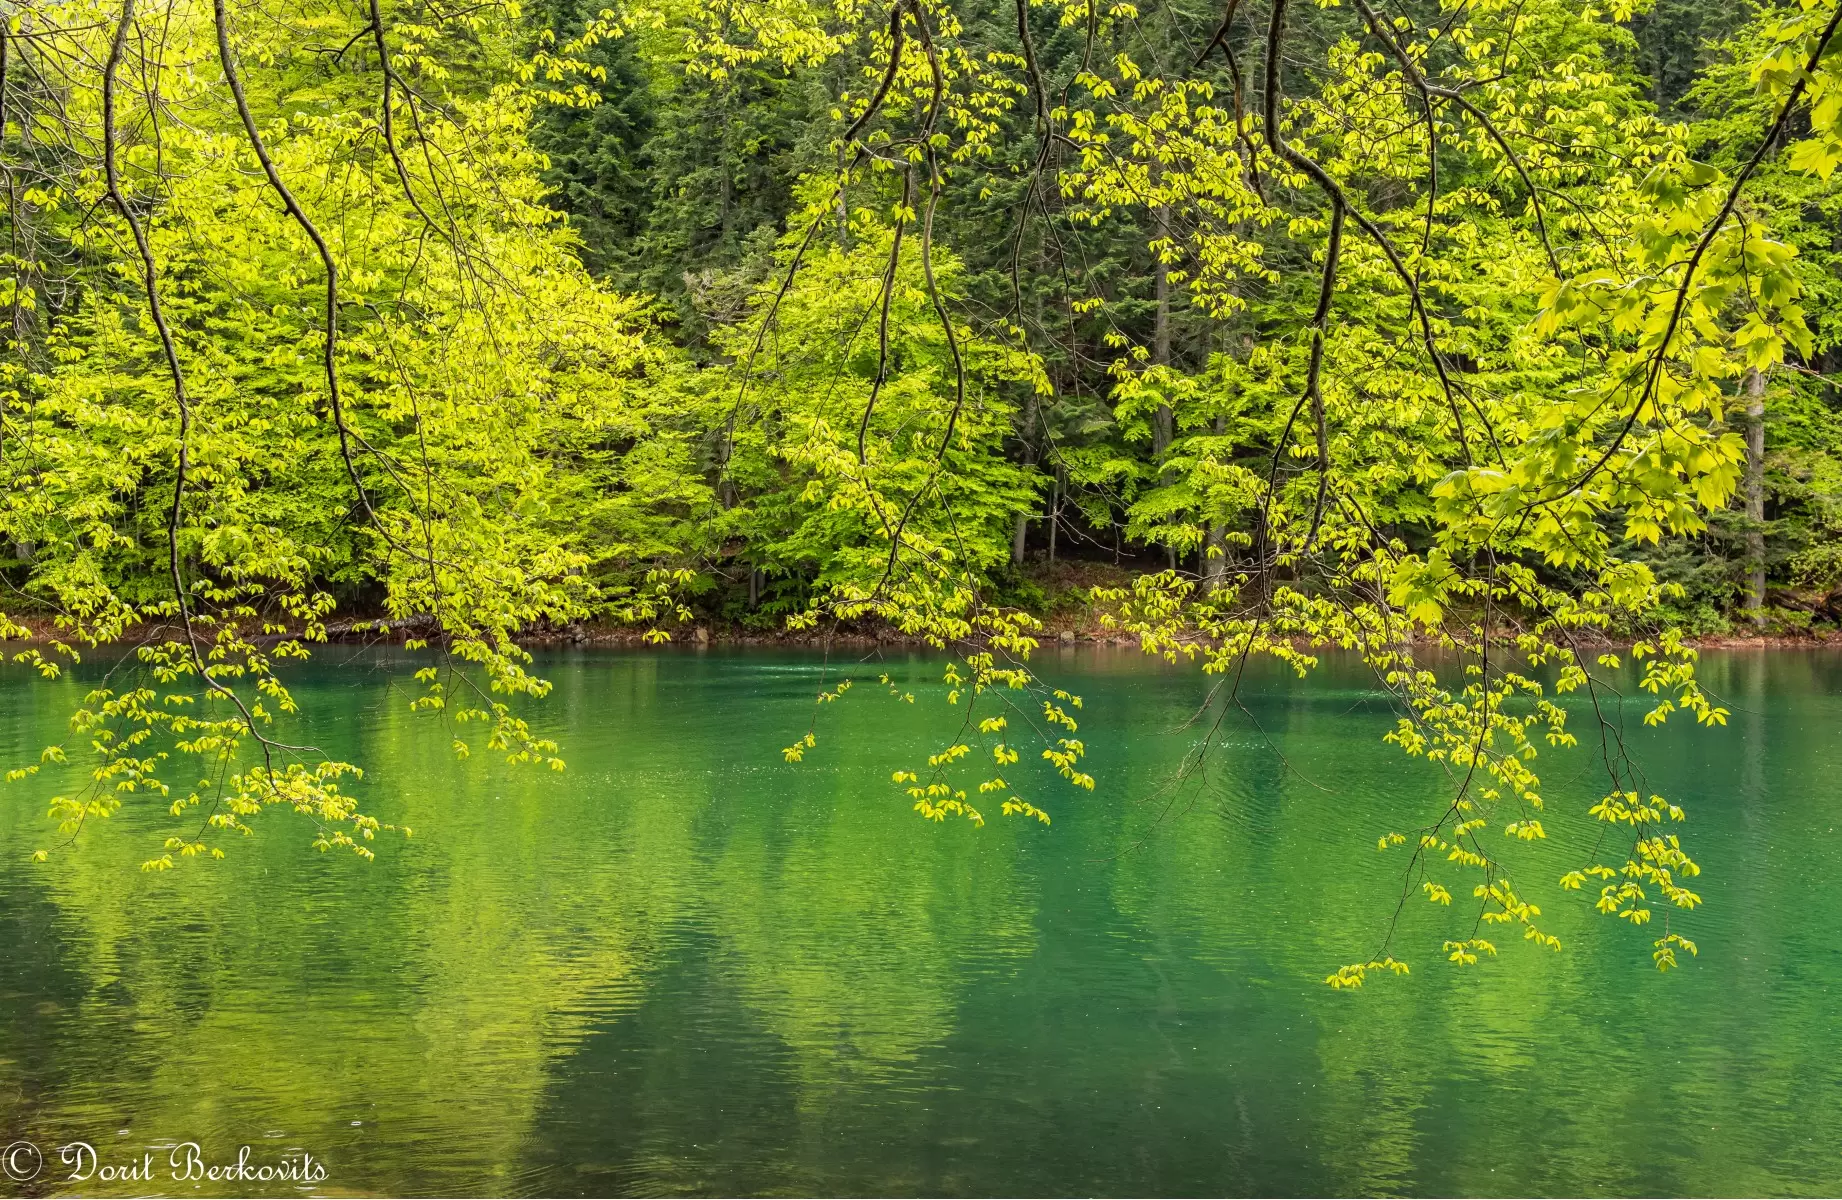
685, 966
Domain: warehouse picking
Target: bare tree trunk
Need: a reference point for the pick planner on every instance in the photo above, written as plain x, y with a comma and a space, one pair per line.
1755, 494
1019, 532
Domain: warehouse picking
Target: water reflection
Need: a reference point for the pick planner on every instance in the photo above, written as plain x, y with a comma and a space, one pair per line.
683, 966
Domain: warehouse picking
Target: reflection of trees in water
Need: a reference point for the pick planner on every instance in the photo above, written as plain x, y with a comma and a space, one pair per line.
1541, 1071
679, 966
852, 938
425, 997
849, 926
432, 996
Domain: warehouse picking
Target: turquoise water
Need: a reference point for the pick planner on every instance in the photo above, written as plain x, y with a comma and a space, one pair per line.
686, 966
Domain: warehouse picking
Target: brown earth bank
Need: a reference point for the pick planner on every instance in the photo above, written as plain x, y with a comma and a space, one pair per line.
1070, 632
1057, 593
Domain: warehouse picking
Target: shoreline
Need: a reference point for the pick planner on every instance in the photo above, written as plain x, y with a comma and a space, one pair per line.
1069, 632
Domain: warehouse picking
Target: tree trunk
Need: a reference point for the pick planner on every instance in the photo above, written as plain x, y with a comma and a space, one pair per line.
1055, 514
1018, 533
1755, 494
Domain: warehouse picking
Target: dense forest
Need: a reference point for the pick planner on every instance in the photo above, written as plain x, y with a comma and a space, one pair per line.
1500, 330
590, 240
683, 190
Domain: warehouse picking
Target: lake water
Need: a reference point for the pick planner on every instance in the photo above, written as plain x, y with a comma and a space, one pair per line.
686, 966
